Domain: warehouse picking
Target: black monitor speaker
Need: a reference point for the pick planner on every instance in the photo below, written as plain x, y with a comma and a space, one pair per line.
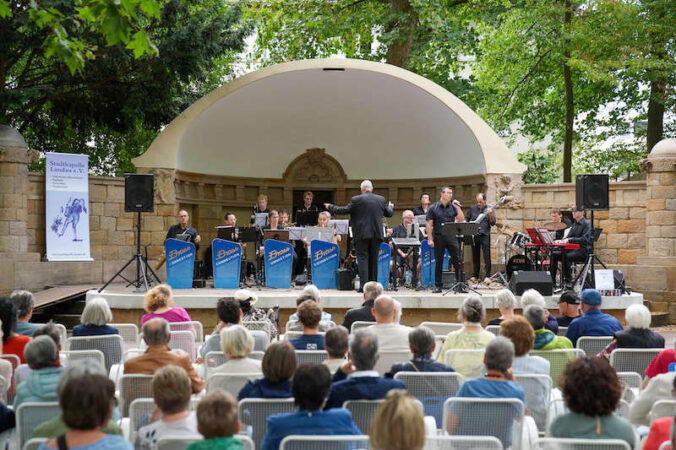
591, 192
138, 192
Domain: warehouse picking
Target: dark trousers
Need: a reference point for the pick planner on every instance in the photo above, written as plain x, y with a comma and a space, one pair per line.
441, 243
367, 259
572, 256
482, 244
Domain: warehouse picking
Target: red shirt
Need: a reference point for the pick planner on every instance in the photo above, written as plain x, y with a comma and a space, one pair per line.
15, 345
660, 431
661, 362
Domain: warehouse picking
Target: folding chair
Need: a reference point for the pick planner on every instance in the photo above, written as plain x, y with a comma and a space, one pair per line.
305, 442
467, 362
537, 389
110, 345
29, 415
462, 443
183, 340
562, 331
580, 444
432, 389
495, 329
260, 325
662, 408
230, 382
294, 334
310, 356
34, 443
558, 359
139, 415
442, 328
129, 333
133, 386
15, 362
386, 359
633, 359
88, 356
212, 360
193, 326
593, 345
254, 413
362, 412
176, 443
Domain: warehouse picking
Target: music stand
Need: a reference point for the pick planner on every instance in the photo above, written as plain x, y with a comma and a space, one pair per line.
260, 219
276, 235
462, 230
320, 234
307, 218
227, 233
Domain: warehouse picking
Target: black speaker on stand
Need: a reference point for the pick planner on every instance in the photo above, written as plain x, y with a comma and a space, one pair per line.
139, 198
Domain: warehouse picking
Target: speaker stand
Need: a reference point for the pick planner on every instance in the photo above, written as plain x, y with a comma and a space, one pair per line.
142, 266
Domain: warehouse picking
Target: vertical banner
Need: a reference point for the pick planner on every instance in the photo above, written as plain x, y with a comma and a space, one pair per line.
428, 264
384, 265
180, 263
324, 264
67, 207
278, 262
227, 263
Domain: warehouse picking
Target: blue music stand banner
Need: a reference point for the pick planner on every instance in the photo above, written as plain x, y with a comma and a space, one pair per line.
278, 262
384, 265
324, 263
180, 263
428, 264
227, 263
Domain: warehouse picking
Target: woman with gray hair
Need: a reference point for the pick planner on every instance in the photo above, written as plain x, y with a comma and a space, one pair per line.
40, 386
95, 318
422, 344
237, 343
471, 336
23, 300
506, 304
533, 297
639, 334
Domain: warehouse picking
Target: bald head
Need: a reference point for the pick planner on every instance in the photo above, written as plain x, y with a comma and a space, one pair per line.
156, 332
384, 309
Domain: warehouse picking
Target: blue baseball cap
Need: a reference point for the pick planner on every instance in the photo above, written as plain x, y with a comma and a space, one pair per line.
591, 297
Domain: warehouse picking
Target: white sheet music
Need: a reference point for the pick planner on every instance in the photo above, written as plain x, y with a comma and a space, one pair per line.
261, 219
319, 234
340, 225
603, 279
296, 233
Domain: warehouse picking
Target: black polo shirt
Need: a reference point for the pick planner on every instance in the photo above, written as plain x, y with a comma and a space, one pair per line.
441, 214
175, 230
418, 211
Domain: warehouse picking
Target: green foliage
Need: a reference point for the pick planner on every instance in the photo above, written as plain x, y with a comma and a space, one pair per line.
543, 166
619, 160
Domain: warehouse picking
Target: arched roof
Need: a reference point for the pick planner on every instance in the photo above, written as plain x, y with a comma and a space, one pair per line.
378, 121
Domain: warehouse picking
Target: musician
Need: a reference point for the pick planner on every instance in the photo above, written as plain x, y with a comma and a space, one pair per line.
366, 214
261, 207
445, 210
182, 229
556, 216
401, 231
230, 219
307, 205
425, 200
482, 240
284, 218
580, 233
274, 221
323, 222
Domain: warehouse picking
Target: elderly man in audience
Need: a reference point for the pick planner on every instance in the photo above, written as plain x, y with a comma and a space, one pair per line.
506, 304
471, 336
95, 318
569, 307
335, 344
12, 343
237, 343
593, 322
533, 297
639, 334
218, 422
40, 386
311, 386
309, 314
23, 300
391, 335
544, 339
398, 423
592, 392
171, 392
279, 364
659, 387
157, 335
364, 313
362, 383
75, 372
422, 344
311, 292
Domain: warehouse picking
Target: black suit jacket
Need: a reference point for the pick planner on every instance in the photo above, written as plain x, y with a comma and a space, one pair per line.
363, 313
581, 233
366, 215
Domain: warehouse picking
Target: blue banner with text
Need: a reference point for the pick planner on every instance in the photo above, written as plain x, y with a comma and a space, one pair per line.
384, 265
278, 262
428, 264
325, 261
227, 263
180, 263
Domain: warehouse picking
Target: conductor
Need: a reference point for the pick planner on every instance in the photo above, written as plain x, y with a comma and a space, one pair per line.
366, 216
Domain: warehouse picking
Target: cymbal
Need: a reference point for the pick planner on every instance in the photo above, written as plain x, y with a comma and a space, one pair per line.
555, 226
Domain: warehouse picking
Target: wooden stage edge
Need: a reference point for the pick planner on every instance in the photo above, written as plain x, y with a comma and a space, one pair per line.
417, 306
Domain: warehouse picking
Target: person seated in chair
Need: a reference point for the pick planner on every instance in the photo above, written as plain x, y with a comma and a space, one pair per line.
279, 364
364, 313
24, 311
544, 339
421, 341
569, 307
309, 314
392, 336
593, 322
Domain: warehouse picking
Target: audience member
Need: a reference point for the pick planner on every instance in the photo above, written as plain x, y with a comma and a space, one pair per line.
391, 335
661, 428
159, 303
5, 366
569, 307
398, 423
295, 325
591, 391
157, 335
335, 344
7, 419
171, 392
364, 313
309, 314
24, 302
86, 408
659, 387
362, 383
470, 336
310, 387
12, 343
638, 335
533, 297
247, 299
592, 322
237, 343
218, 422
228, 314
40, 386
659, 365
95, 319
22, 372
544, 338
75, 371
506, 304
311, 292
421, 342
279, 364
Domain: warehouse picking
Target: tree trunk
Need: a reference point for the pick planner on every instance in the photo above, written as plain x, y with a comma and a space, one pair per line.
570, 105
403, 22
655, 130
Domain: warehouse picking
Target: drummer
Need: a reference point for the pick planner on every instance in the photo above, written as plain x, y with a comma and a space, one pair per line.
557, 224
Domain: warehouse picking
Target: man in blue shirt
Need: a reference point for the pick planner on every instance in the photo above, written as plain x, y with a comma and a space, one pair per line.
309, 315
592, 322
443, 211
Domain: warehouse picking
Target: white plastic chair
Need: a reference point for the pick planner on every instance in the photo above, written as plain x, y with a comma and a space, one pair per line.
362, 412
387, 358
254, 412
495, 329
310, 356
462, 443
133, 386
442, 328
580, 444
633, 359
129, 333
176, 442
305, 442
432, 389
593, 345
139, 409
357, 324
110, 345
29, 415
662, 408
537, 389
468, 362
88, 356
193, 326
34, 443
294, 334
562, 331
558, 359
260, 325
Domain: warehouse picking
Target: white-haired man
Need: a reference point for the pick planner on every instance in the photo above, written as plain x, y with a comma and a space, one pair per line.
391, 335
366, 215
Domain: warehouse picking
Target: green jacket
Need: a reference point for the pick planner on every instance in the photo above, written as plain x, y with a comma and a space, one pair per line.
219, 443
55, 427
546, 340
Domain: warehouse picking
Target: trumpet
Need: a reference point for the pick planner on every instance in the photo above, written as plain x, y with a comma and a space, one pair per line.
161, 260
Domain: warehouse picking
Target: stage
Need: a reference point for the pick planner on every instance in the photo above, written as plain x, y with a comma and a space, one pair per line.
418, 306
